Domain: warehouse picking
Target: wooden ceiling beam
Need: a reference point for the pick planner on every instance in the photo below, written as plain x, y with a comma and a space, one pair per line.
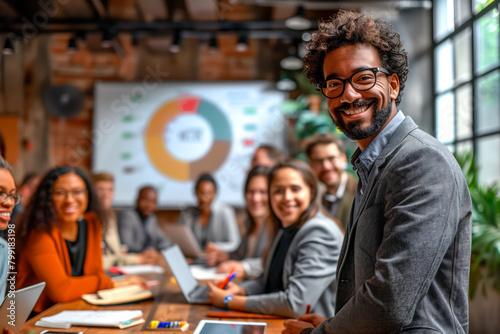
99, 8
206, 10
152, 10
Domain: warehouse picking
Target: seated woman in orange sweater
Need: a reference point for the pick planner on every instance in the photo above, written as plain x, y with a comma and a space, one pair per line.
59, 240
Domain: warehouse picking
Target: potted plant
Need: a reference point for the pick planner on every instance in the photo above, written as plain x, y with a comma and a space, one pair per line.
485, 257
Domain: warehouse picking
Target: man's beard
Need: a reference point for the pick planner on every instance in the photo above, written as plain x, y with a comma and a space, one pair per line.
354, 131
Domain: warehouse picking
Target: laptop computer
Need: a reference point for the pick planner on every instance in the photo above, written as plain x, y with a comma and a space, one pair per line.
192, 291
17, 306
182, 235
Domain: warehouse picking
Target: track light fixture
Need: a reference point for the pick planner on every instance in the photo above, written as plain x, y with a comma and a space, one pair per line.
175, 47
72, 45
242, 45
106, 39
212, 45
8, 48
292, 62
298, 22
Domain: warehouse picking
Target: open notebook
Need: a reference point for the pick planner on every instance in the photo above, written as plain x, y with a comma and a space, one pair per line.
117, 318
121, 295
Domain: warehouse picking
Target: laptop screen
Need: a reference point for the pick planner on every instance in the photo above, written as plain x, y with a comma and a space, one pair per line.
180, 269
17, 306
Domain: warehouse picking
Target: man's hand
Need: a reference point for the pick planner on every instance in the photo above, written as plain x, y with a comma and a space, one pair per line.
293, 326
312, 318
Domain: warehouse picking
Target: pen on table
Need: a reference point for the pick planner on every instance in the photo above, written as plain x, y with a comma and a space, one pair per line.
116, 270
228, 278
308, 308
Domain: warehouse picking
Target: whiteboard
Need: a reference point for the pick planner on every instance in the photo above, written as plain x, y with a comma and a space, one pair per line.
167, 134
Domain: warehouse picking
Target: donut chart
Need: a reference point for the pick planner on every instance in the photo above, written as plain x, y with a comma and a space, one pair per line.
156, 141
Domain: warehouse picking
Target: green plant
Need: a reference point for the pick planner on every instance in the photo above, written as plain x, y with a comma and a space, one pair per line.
485, 257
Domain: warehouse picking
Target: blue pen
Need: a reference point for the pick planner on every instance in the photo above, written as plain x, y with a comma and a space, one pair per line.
231, 278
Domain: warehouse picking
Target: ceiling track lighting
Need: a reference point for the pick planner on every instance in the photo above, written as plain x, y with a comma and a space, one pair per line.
8, 48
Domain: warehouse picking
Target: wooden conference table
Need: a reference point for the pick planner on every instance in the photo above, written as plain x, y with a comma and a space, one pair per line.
168, 304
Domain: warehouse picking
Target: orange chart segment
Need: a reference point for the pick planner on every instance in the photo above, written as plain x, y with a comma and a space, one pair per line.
211, 161
155, 145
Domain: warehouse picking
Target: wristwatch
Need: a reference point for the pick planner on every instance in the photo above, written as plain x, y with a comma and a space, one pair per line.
226, 301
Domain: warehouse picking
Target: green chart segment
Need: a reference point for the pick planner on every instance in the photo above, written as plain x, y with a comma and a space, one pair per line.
157, 149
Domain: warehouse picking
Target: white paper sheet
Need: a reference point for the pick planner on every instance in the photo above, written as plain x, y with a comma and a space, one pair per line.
201, 272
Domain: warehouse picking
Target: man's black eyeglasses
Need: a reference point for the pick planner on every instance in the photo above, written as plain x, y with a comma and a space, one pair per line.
361, 80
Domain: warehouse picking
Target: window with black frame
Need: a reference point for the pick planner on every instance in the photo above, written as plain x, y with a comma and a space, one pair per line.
467, 80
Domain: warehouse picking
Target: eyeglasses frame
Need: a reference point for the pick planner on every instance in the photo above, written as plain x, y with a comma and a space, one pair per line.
375, 70
16, 197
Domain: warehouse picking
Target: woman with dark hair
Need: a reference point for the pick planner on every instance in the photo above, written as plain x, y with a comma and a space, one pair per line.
247, 259
301, 266
213, 225
58, 239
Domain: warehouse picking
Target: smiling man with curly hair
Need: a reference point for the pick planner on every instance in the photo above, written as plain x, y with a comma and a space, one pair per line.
404, 264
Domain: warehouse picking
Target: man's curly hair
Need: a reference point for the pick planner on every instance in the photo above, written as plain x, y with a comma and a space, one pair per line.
348, 28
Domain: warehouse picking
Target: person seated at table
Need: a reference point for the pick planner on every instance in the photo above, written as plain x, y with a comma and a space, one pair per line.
266, 155
213, 225
58, 240
301, 266
113, 254
8, 199
247, 259
138, 228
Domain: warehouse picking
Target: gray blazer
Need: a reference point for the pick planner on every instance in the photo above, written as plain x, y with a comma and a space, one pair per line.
131, 230
308, 275
404, 265
223, 229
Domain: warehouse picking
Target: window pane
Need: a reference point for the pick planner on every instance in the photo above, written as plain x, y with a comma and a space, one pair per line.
462, 12
463, 56
464, 111
488, 103
464, 147
444, 66
486, 32
443, 18
445, 122
479, 5
488, 159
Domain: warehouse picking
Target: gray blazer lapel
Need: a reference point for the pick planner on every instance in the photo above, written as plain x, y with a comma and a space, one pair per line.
401, 132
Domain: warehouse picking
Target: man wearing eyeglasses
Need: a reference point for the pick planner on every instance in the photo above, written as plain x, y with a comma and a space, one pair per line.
404, 264
328, 160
